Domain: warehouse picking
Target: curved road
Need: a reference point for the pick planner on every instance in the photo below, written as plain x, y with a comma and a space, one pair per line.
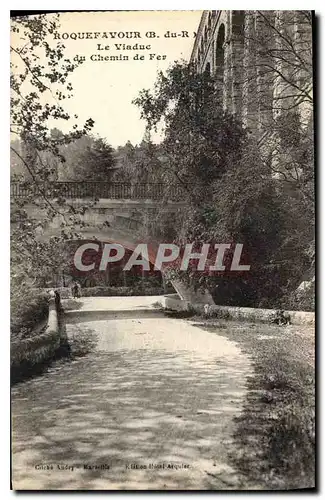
150, 405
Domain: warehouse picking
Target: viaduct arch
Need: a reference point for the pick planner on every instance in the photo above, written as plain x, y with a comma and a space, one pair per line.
116, 220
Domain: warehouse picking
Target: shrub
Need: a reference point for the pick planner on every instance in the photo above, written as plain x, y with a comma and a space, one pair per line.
28, 308
303, 300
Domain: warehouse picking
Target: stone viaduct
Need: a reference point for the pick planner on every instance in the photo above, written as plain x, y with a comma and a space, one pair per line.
262, 61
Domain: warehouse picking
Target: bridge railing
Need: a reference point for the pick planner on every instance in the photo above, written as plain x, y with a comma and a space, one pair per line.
108, 190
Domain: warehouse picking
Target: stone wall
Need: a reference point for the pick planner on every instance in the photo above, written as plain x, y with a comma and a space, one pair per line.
35, 350
238, 313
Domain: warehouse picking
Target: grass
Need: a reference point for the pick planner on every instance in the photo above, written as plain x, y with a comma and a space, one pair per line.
275, 433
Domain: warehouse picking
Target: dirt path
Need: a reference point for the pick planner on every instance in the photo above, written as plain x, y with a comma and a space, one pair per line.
150, 407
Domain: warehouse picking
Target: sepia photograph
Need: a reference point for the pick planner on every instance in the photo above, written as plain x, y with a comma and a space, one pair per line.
162, 250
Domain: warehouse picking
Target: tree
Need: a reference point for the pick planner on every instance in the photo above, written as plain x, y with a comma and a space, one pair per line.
138, 164
85, 158
39, 85
200, 139
97, 161
230, 195
278, 75
277, 66
281, 75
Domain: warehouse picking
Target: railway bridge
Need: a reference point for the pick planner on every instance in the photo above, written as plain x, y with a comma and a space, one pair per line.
114, 212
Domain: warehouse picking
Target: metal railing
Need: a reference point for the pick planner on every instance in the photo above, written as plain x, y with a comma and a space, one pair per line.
108, 190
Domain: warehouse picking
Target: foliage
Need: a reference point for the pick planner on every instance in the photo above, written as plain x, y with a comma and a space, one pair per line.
237, 190
275, 433
301, 300
231, 196
138, 164
282, 42
201, 141
85, 158
39, 85
28, 309
94, 162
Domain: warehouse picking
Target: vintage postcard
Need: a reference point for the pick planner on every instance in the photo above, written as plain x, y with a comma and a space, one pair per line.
162, 250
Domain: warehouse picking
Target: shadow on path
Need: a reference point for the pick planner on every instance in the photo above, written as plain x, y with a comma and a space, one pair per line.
136, 400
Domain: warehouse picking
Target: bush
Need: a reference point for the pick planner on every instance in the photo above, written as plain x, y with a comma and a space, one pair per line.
302, 300
28, 308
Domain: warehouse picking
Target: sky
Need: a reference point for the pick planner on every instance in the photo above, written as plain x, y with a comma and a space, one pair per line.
103, 90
